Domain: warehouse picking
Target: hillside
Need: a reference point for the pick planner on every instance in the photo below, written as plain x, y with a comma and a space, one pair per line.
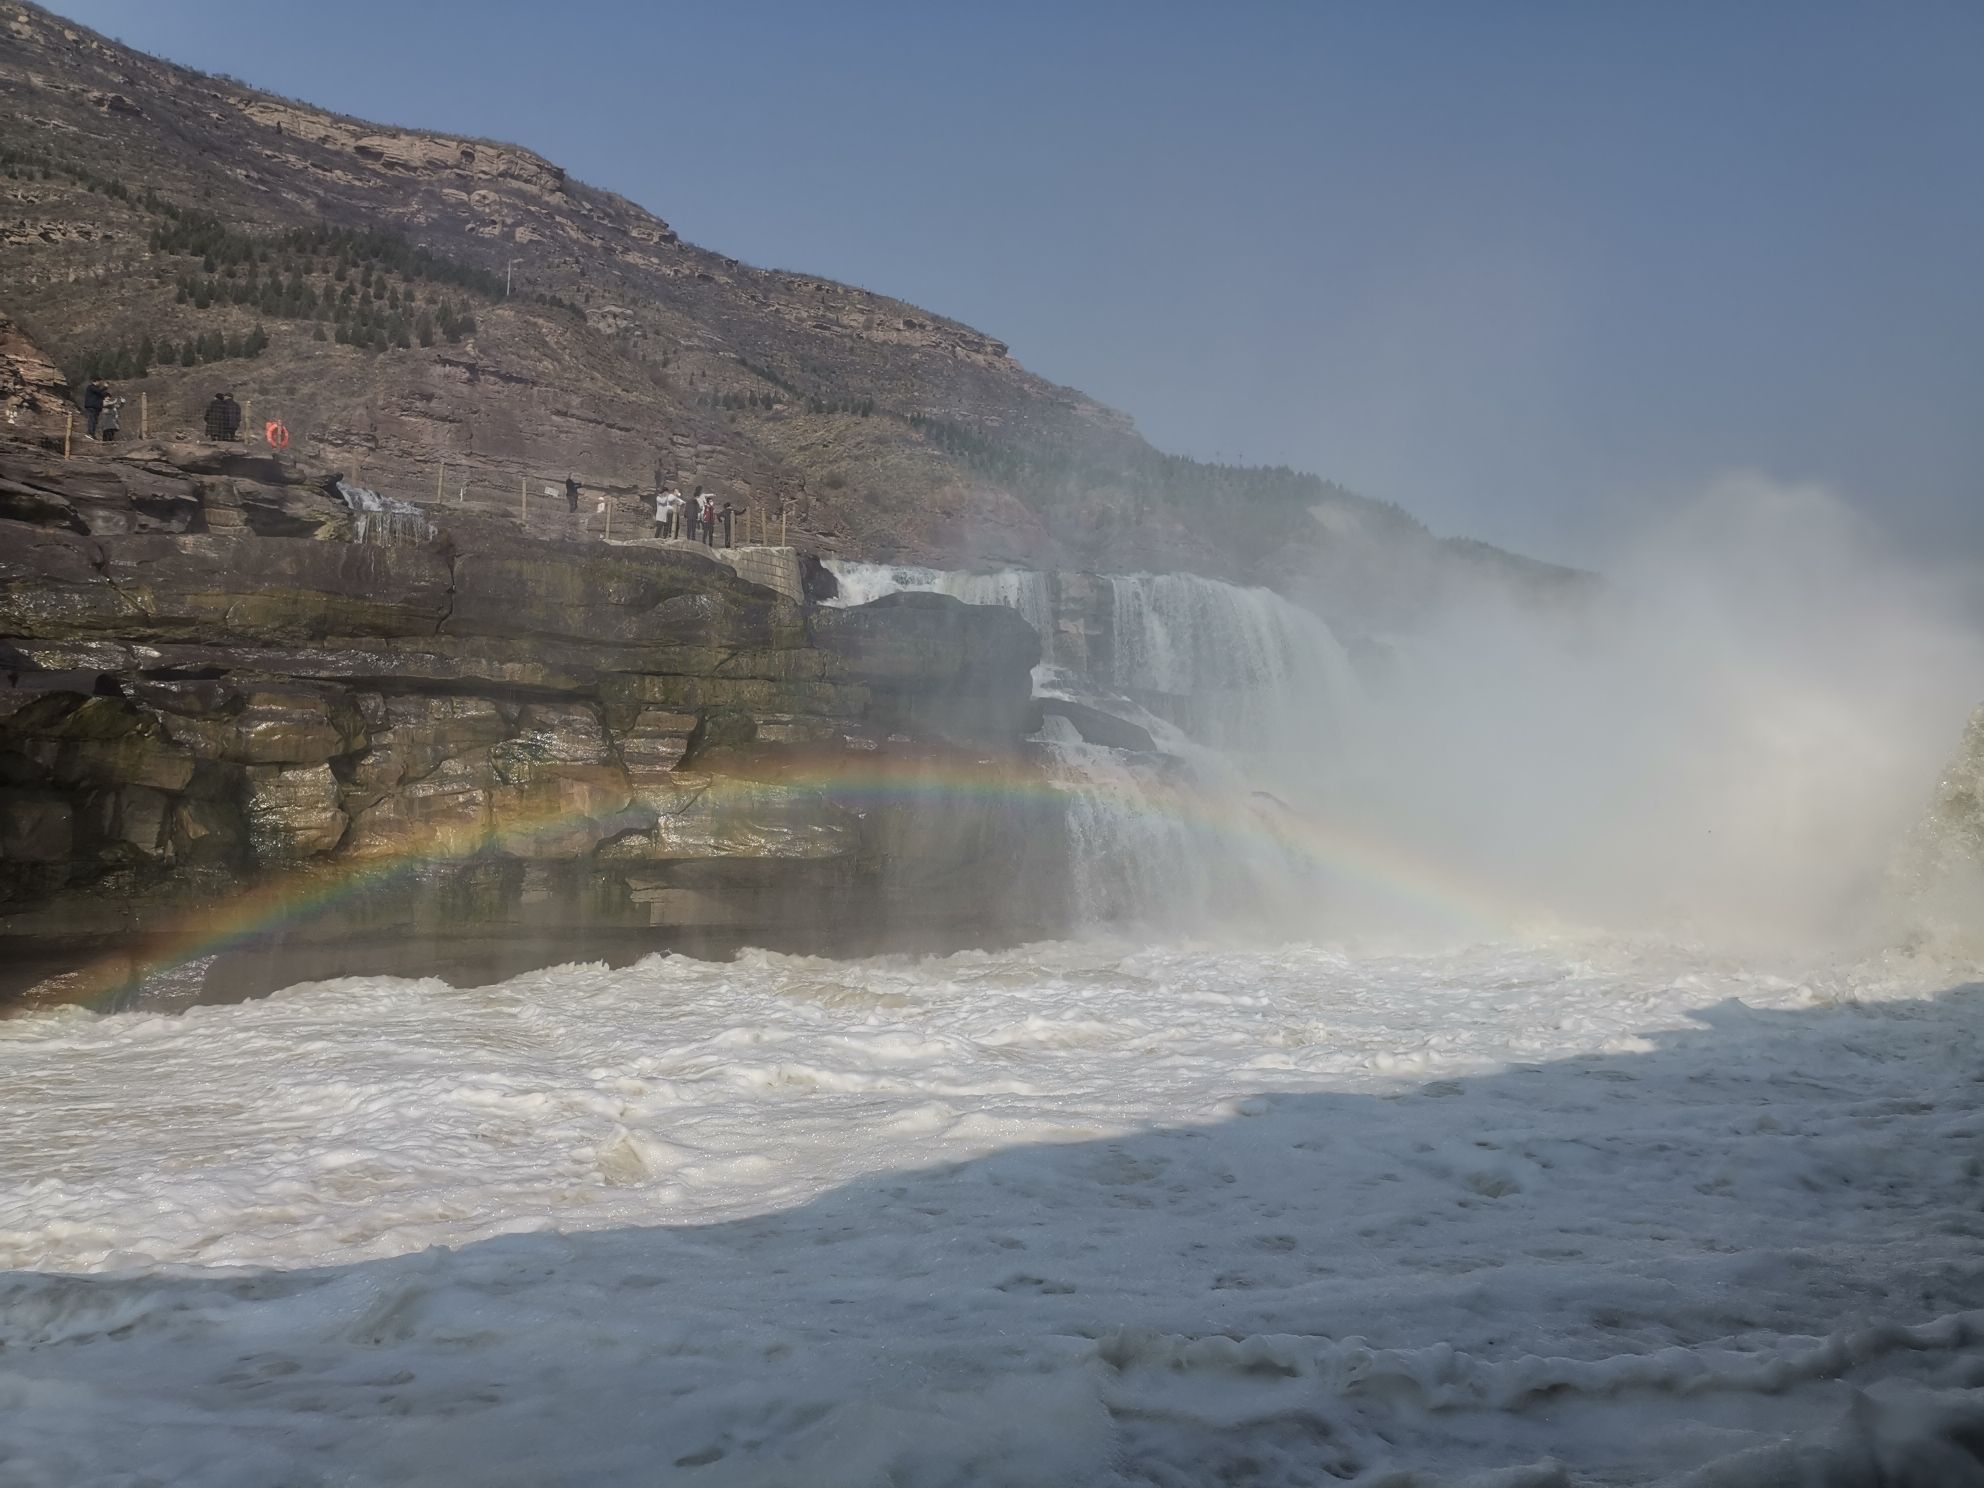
406, 300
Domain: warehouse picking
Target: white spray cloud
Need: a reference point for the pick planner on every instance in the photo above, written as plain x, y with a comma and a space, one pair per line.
1730, 740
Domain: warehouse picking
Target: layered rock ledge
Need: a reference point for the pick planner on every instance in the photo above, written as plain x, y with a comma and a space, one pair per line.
229, 722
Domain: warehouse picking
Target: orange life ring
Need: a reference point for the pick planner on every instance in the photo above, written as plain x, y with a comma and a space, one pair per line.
276, 434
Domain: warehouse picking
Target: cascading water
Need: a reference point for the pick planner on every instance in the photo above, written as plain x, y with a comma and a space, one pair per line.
1240, 669
384, 520
1245, 695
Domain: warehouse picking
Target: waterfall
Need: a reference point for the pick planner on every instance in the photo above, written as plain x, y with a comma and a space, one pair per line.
1237, 668
1246, 696
384, 520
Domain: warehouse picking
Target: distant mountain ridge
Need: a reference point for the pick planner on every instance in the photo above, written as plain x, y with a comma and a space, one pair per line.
427, 298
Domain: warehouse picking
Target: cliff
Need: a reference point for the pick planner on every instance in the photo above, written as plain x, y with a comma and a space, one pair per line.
445, 309
226, 698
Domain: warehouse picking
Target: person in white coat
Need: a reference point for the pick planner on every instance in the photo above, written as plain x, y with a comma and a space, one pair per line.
668, 514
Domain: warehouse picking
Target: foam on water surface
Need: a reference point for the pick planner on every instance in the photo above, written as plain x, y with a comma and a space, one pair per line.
1086, 1213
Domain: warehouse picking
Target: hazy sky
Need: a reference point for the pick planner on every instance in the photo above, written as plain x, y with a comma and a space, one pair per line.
1515, 266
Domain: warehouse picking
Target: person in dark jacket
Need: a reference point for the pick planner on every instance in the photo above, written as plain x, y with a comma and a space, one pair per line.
93, 399
222, 417
112, 418
693, 513
571, 493
729, 517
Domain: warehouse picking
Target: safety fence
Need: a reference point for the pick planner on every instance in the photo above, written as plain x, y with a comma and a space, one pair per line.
609, 511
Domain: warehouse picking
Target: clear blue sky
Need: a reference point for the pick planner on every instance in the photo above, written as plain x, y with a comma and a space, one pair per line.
1515, 266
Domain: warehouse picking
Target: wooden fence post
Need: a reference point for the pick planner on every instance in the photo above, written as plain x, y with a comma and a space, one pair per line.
440, 475
781, 526
523, 484
68, 433
609, 519
144, 415
248, 420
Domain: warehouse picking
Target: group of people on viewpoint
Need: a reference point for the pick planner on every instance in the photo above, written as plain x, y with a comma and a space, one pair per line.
694, 517
103, 414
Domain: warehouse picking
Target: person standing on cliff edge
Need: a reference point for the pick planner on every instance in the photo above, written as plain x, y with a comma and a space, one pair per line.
223, 417
571, 493
93, 399
668, 514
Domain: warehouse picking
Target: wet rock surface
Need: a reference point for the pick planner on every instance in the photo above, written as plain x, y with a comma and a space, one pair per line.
480, 734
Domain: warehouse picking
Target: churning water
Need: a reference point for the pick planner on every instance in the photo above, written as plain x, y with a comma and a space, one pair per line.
1072, 1214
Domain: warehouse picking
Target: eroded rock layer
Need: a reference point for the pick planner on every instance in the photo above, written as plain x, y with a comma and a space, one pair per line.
224, 711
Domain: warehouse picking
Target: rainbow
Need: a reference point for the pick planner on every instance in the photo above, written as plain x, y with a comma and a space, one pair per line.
530, 819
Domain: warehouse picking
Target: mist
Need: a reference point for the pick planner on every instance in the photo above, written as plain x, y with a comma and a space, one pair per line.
1730, 740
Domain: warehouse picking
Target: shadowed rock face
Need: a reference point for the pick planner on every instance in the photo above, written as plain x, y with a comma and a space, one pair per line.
509, 735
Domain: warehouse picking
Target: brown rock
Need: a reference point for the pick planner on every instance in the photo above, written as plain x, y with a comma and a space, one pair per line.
206, 832
293, 812
275, 589
98, 741
654, 742
273, 726
36, 827
131, 821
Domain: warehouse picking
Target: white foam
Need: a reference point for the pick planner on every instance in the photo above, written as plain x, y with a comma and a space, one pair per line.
1074, 1214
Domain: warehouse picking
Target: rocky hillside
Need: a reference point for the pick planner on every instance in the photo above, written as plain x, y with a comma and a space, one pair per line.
212, 683
459, 317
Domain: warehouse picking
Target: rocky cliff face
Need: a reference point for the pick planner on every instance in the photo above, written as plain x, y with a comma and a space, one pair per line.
147, 204
211, 686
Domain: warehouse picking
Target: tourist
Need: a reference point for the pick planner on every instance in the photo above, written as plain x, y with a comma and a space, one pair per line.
93, 399
693, 511
571, 493
729, 516
110, 418
668, 514
709, 521
223, 417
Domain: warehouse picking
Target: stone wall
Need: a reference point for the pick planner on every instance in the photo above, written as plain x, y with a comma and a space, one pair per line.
775, 568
